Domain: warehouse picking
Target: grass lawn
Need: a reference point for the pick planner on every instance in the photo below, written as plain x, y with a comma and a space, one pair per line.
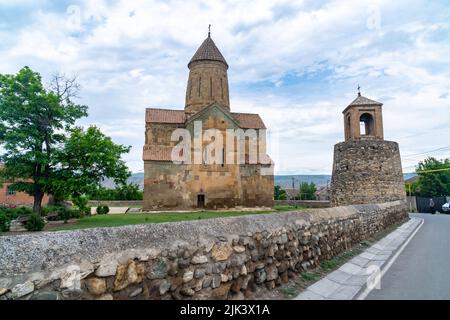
116, 220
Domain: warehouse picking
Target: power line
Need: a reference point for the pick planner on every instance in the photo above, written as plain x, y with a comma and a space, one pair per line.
429, 171
425, 152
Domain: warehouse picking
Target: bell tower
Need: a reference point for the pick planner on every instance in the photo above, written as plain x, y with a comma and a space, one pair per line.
363, 119
208, 78
366, 168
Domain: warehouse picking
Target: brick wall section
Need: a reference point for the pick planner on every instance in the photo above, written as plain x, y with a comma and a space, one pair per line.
366, 171
223, 258
17, 199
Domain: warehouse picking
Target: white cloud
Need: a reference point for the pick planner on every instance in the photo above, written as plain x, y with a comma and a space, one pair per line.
296, 63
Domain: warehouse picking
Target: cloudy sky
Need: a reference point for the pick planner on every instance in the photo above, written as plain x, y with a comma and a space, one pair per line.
296, 63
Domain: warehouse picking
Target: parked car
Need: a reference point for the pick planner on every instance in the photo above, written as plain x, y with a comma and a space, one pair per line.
446, 207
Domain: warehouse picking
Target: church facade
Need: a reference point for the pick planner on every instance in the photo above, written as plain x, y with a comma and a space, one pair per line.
206, 156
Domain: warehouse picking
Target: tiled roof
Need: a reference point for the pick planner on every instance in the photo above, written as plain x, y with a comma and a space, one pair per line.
249, 120
157, 153
165, 116
208, 51
245, 120
363, 101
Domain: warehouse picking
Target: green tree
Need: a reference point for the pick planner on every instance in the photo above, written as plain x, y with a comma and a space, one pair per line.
307, 191
121, 192
434, 177
43, 150
279, 194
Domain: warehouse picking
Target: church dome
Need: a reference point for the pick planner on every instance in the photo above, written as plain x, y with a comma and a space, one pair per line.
208, 51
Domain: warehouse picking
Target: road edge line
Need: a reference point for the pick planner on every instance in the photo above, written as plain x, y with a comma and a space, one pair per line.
391, 261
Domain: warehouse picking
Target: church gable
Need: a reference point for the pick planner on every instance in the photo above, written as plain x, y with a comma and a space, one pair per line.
213, 116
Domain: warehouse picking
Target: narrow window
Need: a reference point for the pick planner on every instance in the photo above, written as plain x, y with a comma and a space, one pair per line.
223, 157
210, 87
190, 88
221, 86
199, 85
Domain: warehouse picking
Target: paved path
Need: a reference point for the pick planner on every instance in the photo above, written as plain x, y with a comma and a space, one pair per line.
351, 280
422, 270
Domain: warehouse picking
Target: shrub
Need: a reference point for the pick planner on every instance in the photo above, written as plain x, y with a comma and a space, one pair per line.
86, 211
4, 222
12, 212
23, 211
81, 201
35, 223
102, 210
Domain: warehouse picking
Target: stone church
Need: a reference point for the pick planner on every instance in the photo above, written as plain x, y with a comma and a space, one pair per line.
241, 173
366, 168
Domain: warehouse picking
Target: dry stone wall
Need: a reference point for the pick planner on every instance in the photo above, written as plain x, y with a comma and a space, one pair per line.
225, 258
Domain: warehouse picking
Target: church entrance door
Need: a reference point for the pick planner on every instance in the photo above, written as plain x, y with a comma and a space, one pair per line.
201, 201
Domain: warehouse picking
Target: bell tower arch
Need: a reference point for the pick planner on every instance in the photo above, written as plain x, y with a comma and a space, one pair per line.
363, 120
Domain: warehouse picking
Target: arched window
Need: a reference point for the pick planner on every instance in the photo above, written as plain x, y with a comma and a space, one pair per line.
366, 124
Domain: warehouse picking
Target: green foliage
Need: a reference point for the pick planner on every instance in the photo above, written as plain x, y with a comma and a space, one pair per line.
102, 210
23, 211
307, 191
81, 202
310, 276
13, 213
433, 184
279, 193
5, 222
43, 150
123, 192
35, 223
87, 158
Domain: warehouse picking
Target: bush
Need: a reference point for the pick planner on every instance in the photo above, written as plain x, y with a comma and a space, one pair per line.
35, 223
81, 202
13, 212
123, 192
23, 211
4, 222
102, 210
62, 213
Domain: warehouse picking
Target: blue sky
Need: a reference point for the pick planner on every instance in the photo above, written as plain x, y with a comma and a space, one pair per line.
296, 63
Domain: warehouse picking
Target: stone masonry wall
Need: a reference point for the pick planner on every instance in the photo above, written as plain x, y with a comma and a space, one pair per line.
225, 258
366, 171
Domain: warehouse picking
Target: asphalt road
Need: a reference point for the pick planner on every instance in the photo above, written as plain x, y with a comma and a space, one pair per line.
422, 270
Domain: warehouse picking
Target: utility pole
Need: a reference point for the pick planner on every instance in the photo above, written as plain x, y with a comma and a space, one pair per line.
293, 187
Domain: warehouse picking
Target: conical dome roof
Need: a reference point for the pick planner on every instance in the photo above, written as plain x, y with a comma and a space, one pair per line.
208, 51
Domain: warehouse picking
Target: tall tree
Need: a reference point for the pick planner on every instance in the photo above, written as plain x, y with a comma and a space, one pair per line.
307, 191
279, 193
434, 177
37, 126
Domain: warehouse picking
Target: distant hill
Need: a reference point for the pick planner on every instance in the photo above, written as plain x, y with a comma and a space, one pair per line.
285, 181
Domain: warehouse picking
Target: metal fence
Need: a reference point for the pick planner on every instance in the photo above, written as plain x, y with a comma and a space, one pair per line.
423, 204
